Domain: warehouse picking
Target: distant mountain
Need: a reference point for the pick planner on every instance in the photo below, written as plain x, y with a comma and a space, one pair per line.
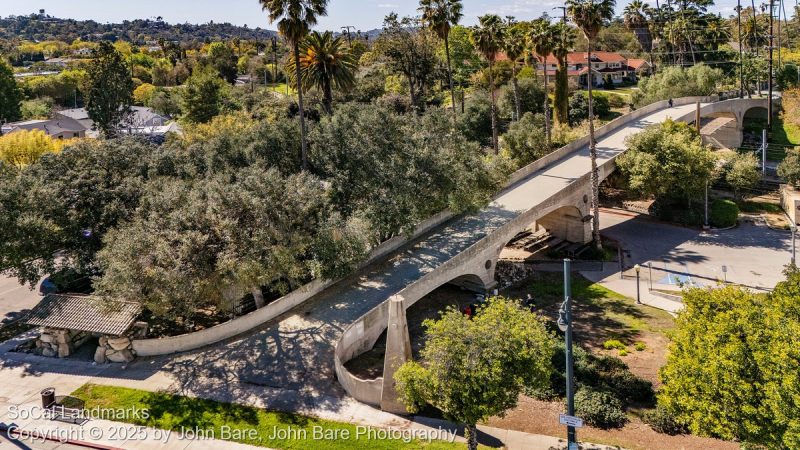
38, 27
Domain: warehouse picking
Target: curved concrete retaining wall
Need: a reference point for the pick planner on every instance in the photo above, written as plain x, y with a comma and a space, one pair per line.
239, 325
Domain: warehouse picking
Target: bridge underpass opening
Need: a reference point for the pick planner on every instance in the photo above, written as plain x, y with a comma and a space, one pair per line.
457, 293
563, 232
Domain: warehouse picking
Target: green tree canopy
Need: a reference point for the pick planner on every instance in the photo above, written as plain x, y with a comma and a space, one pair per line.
473, 369
110, 92
202, 96
789, 168
10, 94
668, 161
676, 82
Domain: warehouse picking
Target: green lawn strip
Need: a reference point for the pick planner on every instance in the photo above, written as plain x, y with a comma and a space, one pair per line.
751, 206
174, 412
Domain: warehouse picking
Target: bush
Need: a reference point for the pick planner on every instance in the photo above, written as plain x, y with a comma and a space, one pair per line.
531, 98
723, 213
675, 82
623, 352
661, 421
742, 173
613, 344
629, 387
476, 122
639, 346
599, 409
789, 169
617, 101
579, 107
525, 140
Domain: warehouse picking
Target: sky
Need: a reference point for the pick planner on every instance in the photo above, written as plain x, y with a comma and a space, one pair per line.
362, 14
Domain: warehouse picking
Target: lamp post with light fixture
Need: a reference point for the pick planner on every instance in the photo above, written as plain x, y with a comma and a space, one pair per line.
638, 269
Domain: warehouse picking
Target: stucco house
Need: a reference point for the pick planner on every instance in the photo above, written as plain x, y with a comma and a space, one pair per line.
604, 64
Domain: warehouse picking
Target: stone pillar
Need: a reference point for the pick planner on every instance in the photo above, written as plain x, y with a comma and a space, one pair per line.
398, 351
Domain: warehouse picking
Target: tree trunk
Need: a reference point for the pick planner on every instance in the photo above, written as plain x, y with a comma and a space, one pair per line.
450, 71
471, 434
546, 108
327, 99
495, 145
562, 93
412, 93
517, 104
298, 74
258, 296
595, 176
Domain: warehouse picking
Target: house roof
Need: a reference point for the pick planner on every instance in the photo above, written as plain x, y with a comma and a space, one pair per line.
636, 64
52, 127
84, 313
582, 58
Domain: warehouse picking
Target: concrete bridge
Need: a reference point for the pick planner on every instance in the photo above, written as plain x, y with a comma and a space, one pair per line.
553, 192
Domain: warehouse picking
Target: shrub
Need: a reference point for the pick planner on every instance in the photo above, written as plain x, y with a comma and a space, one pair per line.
629, 387
579, 107
623, 352
789, 169
531, 98
617, 101
525, 140
662, 421
599, 409
742, 172
613, 344
639, 346
476, 122
723, 213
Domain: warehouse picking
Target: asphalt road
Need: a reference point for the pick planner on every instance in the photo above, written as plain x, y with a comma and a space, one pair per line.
15, 299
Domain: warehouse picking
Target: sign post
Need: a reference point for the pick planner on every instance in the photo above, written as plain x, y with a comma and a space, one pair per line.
565, 325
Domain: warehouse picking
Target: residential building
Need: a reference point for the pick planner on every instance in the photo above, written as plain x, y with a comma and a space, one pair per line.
57, 128
143, 120
604, 64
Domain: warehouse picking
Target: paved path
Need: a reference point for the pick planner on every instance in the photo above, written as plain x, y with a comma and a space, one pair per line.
753, 255
15, 299
288, 363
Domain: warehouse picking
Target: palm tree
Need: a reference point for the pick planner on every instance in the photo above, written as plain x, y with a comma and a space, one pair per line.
325, 62
515, 48
440, 16
563, 44
590, 18
295, 19
487, 37
636, 18
543, 39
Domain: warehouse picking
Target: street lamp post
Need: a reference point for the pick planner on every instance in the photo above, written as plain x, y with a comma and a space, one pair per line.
650, 268
794, 232
638, 269
565, 324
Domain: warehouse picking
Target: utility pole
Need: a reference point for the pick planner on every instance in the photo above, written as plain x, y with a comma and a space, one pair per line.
347, 29
741, 54
563, 13
770, 75
565, 325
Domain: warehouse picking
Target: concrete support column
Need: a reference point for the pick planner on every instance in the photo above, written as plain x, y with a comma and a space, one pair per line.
398, 351
568, 223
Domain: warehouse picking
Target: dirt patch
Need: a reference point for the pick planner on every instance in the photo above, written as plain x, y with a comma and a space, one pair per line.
534, 416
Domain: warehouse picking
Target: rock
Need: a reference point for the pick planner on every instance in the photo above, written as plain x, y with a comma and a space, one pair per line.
64, 350
100, 355
120, 356
63, 337
44, 337
120, 343
48, 352
103, 341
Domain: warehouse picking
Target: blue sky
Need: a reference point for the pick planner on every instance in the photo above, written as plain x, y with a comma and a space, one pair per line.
363, 14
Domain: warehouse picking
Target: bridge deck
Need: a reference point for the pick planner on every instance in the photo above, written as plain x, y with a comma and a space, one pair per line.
294, 353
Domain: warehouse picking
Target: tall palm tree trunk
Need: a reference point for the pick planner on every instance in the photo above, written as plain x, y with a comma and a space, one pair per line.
546, 107
494, 110
515, 83
327, 99
303, 131
595, 175
450, 72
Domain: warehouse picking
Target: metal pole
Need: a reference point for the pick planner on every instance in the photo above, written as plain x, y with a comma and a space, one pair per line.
741, 60
794, 232
769, 85
764, 153
706, 205
572, 441
650, 268
638, 295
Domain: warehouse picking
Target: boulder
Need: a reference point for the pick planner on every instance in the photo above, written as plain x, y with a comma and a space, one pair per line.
103, 341
64, 350
120, 356
119, 343
100, 355
48, 352
44, 337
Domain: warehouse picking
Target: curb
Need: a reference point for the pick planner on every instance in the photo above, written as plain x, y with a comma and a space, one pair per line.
4, 428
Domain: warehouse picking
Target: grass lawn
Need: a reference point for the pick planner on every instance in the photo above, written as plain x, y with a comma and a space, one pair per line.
280, 88
173, 412
753, 206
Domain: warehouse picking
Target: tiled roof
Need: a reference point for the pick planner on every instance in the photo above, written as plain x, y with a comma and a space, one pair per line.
581, 57
84, 313
635, 64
